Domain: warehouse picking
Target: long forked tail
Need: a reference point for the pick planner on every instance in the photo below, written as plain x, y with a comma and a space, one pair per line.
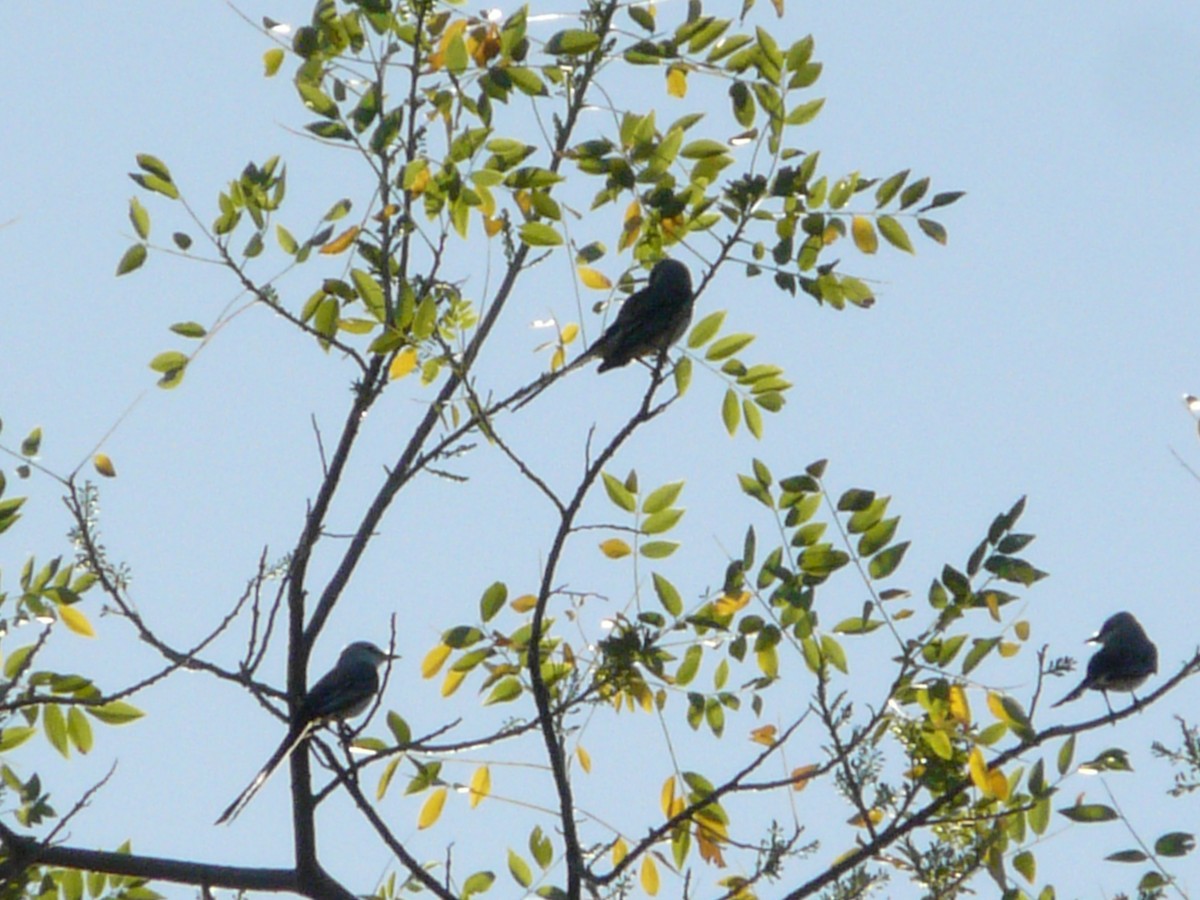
282, 752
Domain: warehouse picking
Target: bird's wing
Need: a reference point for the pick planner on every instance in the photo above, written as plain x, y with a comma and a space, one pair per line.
282, 752
1077, 693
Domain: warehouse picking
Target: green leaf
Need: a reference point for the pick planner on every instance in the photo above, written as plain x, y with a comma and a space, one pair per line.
189, 329
832, 651
703, 149
1175, 843
658, 549
272, 60
618, 493
668, 596
805, 112
478, 883
154, 166
662, 497
690, 665
541, 848
54, 723
1089, 813
133, 259
79, 730
11, 738
505, 691
704, 330
140, 218
731, 411
661, 521
1025, 863
886, 191
30, 446
1066, 753
754, 422
727, 346
539, 234
118, 712
1127, 856
885, 562
461, 636
493, 600
316, 99
519, 869
573, 42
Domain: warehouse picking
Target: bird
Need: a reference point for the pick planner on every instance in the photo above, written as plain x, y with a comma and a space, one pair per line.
342, 693
1126, 658
650, 321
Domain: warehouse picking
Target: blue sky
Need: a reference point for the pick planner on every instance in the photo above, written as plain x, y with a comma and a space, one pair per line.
1042, 352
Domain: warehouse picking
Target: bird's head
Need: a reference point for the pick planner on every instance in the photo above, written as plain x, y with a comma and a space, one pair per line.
365, 651
1115, 627
671, 275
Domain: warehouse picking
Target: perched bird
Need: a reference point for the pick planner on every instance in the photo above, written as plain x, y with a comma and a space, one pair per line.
1126, 658
343, 692
651, 320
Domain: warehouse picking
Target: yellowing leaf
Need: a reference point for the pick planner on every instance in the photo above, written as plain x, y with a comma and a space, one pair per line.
619, 851
76, 621
677, 81
802, 776
960, 710
431, 809
979, 771
404, 363
649, 875
863, 232
1008, 649
585, 759
997, 784
728, 605
433, 660
875, 815
341, 243
272, 60
104, 465
710, 850
615, 548
524, 603
453, 679
764, 735
1022, 629
593, 279
666, 797
480, 786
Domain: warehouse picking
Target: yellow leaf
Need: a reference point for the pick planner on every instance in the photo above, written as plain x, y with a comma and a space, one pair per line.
677, 806
431, 809
387, 212
1008, 649
1022, 629
764, 735
631, 227
619, 851
996, 706
433, 660
453, 680
875, 815
341, 243
492, 225
523, 202
830, 236
666, 797
593, 279
677, 81
76, 621
710, 850
728, 605
272, 60
615, 548
960, 710
104, 465
863, 232
802, 776
997, 784
481, 785
993, 605
524, 603
979, 772
403, 363
585, 759
569, 333
557, 360
649, 875
419, 182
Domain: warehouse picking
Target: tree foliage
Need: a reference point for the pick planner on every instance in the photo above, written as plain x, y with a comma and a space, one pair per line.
659, 131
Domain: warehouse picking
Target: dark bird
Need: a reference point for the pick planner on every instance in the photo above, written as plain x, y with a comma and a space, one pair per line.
342, 693
651, 320
1126, 658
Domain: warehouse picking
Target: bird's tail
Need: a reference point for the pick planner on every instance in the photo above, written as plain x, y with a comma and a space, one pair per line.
523, 397
1074, 695
282, 752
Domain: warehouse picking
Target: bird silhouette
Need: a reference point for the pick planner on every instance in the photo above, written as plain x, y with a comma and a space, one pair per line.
1126, 658
650, 321
342, 693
